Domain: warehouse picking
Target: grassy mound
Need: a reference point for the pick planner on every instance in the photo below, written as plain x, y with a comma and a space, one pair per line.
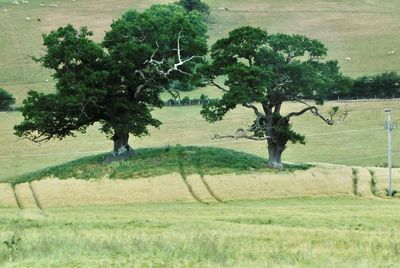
158, 161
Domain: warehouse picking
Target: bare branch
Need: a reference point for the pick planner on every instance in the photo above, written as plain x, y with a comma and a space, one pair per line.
240, 134
255, 109
313, 110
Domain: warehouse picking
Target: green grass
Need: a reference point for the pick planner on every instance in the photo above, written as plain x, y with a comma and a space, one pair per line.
364, 30
158, 161
360, 140
301, 232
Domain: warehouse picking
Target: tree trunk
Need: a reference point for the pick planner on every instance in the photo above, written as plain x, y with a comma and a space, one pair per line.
121, 145
122, 150
274, 154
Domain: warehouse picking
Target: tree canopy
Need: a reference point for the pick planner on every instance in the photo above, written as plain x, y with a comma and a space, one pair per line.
118, 81
197, 5
261, 72
6, 100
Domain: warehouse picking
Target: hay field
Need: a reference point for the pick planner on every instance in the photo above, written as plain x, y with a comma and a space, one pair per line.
322, 180
360, 140
364, 30
295, 232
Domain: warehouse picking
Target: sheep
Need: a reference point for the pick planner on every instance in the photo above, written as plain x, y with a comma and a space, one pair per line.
27, 19
348, 59
391, 52
42, 5
5, 10
16, 3
54, 5
223, 8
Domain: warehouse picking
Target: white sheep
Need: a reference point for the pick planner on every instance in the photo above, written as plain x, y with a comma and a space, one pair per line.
27, 19
391, 52
54, 5
42, 5
348, 59
5, 10
16, 3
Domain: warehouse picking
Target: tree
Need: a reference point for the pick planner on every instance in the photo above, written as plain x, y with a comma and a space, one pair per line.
263, 71
198, 5
117, 82
6, 100
384, 85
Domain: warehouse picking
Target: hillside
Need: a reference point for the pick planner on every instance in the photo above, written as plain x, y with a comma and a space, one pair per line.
364, 30
360, 140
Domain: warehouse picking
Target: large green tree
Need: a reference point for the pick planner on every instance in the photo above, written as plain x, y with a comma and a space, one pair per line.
261, 72
6, 100
116, 82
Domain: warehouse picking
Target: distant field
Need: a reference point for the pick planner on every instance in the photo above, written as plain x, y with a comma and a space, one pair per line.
359, 140
364, 30
297, 232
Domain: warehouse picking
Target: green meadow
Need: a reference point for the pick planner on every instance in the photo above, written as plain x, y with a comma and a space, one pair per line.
340, 229
298, 232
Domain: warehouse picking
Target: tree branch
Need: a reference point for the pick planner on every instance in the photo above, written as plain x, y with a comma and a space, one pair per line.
255, 109
240, 134
212, 82
313, 110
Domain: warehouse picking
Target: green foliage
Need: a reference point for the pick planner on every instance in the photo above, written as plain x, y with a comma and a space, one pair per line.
116, 82
264, 70
383, 85
13, 245
195, 5
373, 182
161, 161
6, 100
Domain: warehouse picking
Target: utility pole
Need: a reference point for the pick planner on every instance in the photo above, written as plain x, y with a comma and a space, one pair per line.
389, 126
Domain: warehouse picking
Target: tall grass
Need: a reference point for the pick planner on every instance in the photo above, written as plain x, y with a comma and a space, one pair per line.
345, 232
373, 182
354, 181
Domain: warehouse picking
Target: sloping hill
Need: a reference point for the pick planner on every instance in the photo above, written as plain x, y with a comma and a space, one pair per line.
364, 30
184, 174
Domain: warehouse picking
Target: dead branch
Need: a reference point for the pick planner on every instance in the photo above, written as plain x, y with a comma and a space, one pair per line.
240, 134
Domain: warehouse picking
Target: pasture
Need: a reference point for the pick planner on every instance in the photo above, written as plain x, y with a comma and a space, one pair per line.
360, 140
364, 30
295, 232
316, 213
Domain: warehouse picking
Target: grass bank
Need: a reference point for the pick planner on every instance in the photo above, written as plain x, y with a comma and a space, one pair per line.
149, 162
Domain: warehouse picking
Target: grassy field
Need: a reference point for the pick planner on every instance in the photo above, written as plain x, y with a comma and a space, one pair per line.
330, 227
364, 30
359, 140
297, 232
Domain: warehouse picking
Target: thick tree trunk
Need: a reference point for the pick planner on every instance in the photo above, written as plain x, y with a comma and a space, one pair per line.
274, 154
121, 150
121, 145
